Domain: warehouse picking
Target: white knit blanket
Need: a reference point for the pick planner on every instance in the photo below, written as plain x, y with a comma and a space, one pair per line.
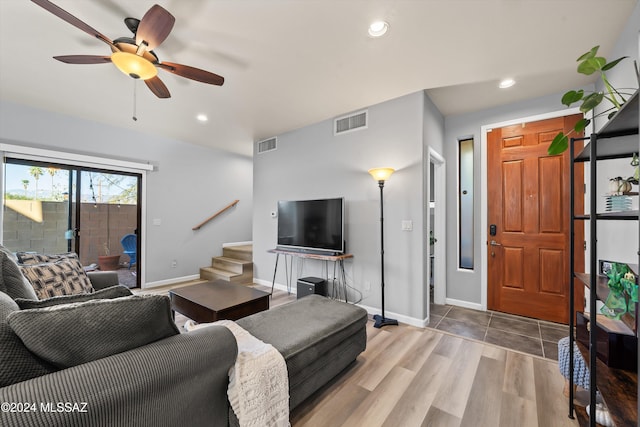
258, 383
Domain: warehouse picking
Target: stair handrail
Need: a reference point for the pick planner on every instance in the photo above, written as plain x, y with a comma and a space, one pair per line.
229, 206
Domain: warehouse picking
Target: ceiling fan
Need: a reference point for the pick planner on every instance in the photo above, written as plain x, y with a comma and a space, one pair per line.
135, 56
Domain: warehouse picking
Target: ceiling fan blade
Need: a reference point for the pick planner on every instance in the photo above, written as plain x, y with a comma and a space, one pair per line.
192, 73
154, 27
157, 87
83, 59
66, 16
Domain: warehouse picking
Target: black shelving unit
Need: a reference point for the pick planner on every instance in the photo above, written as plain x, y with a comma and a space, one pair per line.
618, 388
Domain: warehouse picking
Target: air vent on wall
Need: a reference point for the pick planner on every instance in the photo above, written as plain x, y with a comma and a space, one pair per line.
355, 121
267, 145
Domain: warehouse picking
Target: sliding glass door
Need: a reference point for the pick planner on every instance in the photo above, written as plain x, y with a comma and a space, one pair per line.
53, 208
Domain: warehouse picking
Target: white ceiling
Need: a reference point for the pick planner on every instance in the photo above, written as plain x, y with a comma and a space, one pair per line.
288, 64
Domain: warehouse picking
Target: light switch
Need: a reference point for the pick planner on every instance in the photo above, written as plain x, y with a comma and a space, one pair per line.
157, 221
407, 225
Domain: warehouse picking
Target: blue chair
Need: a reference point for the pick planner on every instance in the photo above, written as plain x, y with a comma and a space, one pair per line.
130, 245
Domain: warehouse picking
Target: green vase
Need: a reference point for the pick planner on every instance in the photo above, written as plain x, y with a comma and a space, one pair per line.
614, 306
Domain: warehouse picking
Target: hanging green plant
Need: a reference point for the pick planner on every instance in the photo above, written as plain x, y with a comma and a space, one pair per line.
589, 64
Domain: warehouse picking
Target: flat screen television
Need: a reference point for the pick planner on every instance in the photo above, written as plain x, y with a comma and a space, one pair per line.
311, 225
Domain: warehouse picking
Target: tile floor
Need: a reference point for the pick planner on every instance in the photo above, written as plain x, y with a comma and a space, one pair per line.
523, 334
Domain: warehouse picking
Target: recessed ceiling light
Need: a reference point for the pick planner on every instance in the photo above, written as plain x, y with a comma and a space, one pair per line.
506, 83
378, 28
202, 118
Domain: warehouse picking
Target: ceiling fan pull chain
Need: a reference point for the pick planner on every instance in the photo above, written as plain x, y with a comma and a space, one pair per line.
135, 119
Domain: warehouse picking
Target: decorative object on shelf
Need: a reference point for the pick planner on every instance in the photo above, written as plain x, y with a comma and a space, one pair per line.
381, 175
620, 277
589, 64
618, 186
618, 203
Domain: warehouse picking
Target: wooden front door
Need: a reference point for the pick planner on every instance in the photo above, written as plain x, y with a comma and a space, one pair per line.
528, 203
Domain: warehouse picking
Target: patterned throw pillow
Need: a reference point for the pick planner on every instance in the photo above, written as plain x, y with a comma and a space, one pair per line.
63, 277
30, 258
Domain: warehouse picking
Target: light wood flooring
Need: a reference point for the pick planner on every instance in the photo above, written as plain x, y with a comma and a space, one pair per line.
410, 376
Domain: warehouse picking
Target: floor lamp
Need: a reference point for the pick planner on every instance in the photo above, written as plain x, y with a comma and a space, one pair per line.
381, 175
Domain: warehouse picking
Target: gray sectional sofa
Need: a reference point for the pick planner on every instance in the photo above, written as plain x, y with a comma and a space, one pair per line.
156, 376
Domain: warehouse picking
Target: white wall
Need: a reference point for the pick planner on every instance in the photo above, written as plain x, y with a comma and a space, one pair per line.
189, 183
313, 163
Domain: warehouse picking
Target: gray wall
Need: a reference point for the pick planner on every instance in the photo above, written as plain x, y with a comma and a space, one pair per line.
433, 137
465, 286
433, 128
189, 183
610, 244
312, 163
623, 75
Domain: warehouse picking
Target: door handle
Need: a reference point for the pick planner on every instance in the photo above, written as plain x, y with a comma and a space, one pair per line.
494, 243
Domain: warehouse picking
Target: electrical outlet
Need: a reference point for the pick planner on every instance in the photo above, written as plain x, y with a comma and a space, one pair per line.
174, 263
367, 285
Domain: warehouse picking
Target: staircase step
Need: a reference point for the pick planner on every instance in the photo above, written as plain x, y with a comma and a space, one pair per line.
244, 252
232, 264
211, 273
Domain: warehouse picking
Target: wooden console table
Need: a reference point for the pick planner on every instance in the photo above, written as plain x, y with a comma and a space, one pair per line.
338, 262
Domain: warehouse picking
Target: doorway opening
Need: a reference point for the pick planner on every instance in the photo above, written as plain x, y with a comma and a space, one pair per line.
436, 225
54, 208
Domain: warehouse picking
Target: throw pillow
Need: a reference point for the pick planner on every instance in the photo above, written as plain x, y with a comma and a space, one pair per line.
17, 363
107, 293
12, 282
30, 258
9, 253
62, 277
71, 334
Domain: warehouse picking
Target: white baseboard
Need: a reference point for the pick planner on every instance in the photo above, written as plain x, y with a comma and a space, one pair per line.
278, 286
465, 304
170, 281
419, 323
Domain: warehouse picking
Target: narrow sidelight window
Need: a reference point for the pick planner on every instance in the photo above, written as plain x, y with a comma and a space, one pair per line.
465, 204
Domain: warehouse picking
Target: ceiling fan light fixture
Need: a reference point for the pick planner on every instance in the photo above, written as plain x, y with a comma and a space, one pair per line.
134, 65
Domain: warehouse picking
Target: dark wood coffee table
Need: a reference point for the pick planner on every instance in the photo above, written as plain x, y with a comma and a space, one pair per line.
217, 300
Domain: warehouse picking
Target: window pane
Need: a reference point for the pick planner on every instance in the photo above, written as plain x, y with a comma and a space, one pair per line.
465, 203
36, 207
